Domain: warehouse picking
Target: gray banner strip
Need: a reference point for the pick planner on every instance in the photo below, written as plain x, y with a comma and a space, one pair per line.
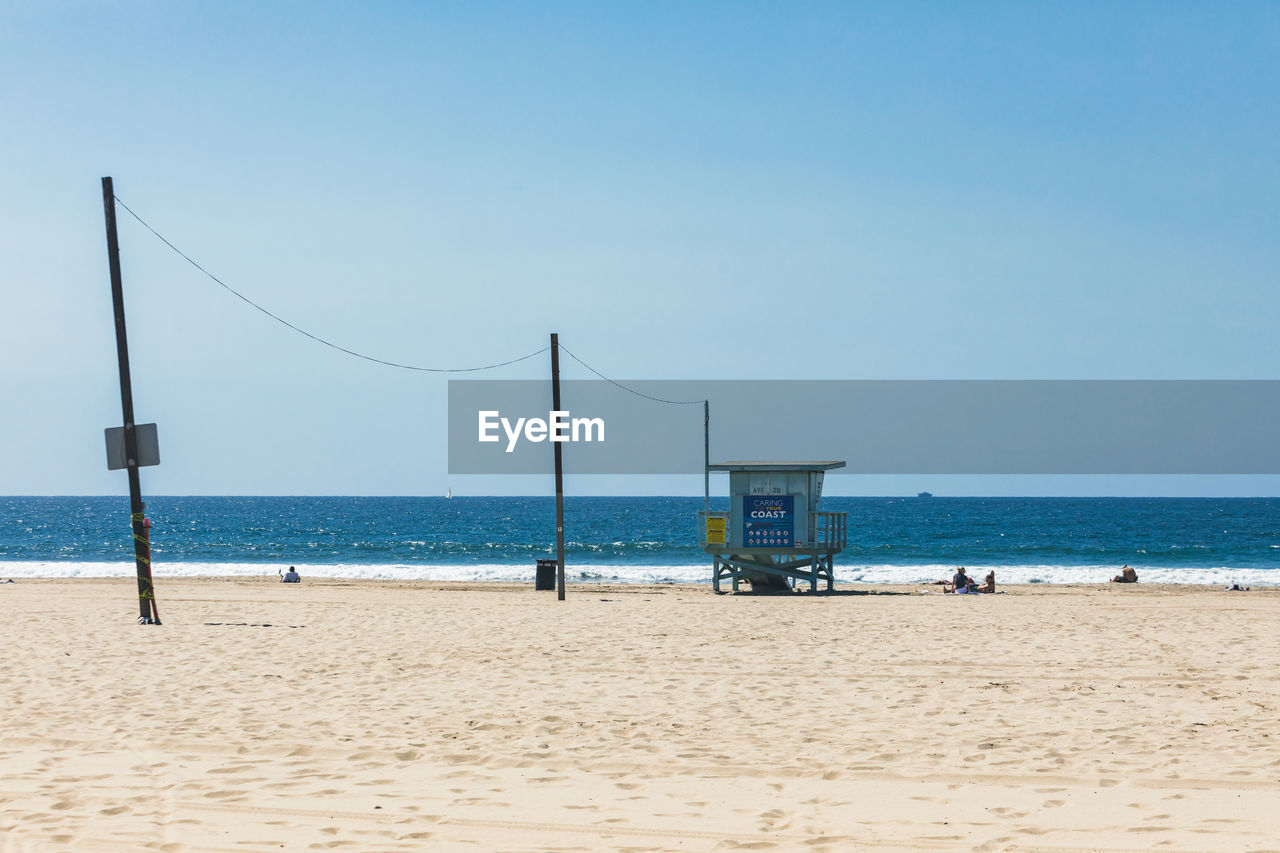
876, 426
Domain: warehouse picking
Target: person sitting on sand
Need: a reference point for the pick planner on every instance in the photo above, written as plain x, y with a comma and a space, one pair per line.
1127, 575
961, 583
290, 576
988, 583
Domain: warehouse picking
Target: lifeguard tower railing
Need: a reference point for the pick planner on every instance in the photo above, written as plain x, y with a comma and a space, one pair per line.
829, 531
773, 534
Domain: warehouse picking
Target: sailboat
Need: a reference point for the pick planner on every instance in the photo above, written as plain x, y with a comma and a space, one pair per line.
448, 494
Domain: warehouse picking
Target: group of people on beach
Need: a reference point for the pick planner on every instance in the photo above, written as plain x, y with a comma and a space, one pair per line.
963, 584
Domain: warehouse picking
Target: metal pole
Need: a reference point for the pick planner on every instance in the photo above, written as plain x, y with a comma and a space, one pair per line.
146, 593
555, 406
706, 457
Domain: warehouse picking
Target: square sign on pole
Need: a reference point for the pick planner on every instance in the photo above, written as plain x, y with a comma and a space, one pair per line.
148, 447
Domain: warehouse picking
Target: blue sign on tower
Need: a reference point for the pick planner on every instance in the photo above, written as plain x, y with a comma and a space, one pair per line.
769, 521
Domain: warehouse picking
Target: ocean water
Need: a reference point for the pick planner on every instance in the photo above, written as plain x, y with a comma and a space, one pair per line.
641, 539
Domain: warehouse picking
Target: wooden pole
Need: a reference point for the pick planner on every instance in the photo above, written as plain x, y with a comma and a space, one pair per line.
141, 548
555, 406
146, 535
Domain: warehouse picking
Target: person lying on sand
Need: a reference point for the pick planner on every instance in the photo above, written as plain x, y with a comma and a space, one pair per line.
1127, 575
949, 585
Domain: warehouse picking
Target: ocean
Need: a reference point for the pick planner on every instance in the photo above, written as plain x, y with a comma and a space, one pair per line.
640, 539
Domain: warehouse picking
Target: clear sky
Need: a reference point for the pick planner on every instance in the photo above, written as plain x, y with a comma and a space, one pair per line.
681, 190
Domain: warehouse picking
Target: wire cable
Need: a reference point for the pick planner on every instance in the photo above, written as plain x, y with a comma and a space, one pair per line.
625, 388
317, 338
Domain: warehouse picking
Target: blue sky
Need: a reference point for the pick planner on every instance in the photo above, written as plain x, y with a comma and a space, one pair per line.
684, 190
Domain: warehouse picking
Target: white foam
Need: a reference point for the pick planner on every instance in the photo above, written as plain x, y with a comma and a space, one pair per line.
1216, 576
692, 573
495, 572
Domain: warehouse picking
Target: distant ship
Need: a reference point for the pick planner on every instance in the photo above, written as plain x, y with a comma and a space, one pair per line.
924, 494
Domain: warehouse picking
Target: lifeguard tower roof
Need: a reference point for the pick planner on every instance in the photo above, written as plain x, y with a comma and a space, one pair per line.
825, 465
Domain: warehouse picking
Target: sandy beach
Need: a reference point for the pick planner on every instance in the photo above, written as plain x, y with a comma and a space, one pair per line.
407, 716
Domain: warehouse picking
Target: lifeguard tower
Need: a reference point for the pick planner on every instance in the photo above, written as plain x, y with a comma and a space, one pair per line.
773, 534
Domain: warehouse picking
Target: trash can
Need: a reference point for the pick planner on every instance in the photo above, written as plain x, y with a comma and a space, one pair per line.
546, 576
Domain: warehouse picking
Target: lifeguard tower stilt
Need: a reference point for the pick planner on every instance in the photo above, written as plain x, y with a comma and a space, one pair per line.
773, 535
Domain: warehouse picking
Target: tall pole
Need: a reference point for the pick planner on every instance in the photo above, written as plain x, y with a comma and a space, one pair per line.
146, 593
555, 407
706, 456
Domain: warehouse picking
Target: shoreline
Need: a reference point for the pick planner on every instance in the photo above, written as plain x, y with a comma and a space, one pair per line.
841, 587
635, 573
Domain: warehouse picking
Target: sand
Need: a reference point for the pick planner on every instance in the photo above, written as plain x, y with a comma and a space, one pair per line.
388, 716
